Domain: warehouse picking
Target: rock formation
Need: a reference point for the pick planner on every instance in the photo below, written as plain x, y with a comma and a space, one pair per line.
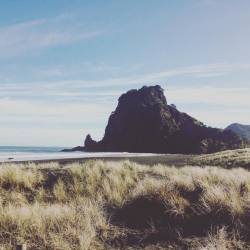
144, 122
241, 130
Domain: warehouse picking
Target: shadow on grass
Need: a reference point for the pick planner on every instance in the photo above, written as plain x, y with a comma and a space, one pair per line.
149, 219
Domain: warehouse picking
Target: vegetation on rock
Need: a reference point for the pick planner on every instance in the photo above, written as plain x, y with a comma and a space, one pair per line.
241, 130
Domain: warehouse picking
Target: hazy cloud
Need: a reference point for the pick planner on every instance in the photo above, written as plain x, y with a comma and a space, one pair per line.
204, 70
76, 105
234, 97
23, 37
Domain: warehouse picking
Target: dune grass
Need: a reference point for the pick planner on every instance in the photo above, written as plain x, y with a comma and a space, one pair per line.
228, 158
124, 205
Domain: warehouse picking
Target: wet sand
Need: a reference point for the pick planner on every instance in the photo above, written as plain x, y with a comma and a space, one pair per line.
167, 159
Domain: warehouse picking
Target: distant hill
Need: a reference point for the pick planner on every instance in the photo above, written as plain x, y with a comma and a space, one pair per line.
144, 122
241, 130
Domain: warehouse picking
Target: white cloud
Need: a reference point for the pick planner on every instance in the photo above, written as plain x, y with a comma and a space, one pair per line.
206, 70
32, 35
232, 97
81, 88
72, 86
220, 118
37, 123
25, 120
19, 110
66, 124
215, 106
39, 136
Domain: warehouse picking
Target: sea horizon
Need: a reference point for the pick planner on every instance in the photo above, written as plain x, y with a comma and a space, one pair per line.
30, 148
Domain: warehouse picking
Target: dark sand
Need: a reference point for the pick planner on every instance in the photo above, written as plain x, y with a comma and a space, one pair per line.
168, 159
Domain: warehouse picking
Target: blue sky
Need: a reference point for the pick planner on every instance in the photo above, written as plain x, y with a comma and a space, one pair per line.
63, 64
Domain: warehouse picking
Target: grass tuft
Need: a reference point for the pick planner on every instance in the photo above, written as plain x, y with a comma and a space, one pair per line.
105, 205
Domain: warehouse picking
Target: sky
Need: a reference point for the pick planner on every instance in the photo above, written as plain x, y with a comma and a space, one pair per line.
64, 63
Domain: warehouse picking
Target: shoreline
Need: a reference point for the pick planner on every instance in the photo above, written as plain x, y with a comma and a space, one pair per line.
149, 159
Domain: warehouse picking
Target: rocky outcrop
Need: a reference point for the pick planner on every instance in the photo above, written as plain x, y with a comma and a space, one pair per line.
144, 122
241, 130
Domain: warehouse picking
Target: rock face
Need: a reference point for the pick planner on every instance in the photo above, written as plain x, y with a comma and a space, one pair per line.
144, 122
241, 130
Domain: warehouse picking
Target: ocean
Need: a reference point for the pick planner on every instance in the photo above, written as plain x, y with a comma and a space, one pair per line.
17, 153
16, 149
14, 153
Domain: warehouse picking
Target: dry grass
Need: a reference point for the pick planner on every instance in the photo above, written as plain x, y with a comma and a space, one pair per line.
111, 205
229, 158
219, 240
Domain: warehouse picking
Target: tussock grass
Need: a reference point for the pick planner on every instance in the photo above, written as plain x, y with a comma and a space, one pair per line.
229, 159
219, 239
105, 205
14, 177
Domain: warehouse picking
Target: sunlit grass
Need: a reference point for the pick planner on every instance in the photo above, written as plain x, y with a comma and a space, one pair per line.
229, 158
73, 207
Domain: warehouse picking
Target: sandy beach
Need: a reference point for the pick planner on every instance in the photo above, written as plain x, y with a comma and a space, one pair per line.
69, 157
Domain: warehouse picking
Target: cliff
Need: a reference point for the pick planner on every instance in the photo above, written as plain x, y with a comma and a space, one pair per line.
144, 122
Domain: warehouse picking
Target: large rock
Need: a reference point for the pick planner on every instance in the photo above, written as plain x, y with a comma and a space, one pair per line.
144, 122
241, 130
